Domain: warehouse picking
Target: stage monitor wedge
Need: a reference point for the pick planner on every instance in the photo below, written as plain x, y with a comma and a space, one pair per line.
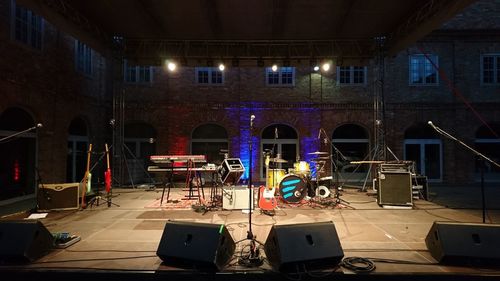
307, 246
24, 241
196, 245
464, 243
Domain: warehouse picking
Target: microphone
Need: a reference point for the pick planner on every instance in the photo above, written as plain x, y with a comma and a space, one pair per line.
275, 132
39, 125
431, 124
251, 120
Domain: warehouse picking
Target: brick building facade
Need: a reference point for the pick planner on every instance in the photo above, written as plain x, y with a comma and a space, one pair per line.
174, 112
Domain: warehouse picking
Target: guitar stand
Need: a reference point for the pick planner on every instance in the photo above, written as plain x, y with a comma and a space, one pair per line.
95, 200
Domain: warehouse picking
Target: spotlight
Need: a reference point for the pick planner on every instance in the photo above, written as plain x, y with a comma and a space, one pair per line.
316, 68
171, 66
221, 67
274, 68
326, 66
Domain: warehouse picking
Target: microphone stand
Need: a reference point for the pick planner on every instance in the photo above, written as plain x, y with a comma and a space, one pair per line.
253, 258
477, 153
19, 133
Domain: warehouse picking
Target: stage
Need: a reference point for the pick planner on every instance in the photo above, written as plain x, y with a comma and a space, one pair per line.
120, 242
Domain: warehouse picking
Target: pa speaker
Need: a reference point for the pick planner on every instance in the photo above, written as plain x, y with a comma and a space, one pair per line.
395, 189
299, 247
24, 241
464, 243
202, 245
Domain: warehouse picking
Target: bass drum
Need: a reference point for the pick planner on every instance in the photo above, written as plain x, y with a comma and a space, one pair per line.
292, 188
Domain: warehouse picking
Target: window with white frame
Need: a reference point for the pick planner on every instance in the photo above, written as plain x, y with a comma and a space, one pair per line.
26, 26
423, 70
83, 58
138, 74
209, 76
490, 69
283, 76
351, 75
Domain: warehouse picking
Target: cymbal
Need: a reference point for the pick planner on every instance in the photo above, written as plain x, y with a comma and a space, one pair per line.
278, 160
318, 153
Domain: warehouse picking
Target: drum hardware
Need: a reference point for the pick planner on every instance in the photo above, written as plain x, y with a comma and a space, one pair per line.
318, 153
322, 191
278, 160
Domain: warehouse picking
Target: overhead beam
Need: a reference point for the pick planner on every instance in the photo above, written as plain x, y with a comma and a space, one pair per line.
151, 52
430, 16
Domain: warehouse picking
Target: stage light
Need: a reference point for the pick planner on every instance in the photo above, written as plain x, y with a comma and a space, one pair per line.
316, 68
326, 66
221, 67
171, 65
274, 68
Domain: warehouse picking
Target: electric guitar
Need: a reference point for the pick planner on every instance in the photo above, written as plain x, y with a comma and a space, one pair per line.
267, 201
86, 179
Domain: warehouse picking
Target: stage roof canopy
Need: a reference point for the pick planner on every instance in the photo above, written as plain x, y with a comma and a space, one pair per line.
292, 31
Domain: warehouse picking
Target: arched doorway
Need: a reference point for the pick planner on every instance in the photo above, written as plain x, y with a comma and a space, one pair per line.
489, 145
281, 141
78, 142
424, 146
18, 154
210, 140
350, 142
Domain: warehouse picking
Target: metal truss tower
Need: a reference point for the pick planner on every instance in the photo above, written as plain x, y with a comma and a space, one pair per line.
378, 101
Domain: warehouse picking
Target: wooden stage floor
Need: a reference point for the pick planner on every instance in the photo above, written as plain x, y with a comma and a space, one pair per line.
121, 242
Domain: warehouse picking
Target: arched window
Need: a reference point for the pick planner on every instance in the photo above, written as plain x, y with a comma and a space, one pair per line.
423, 145
18, 154
210, 140
349, 143
489, 145
282, 142
76, 159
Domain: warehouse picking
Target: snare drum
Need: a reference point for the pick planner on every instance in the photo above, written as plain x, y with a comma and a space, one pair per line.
301, 168
274, 177
292, 188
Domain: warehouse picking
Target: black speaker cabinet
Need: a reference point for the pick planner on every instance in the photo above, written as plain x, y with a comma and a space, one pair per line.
394, 189
24, 241
62, 196
464, 243
231, 170
187, 244
307, 246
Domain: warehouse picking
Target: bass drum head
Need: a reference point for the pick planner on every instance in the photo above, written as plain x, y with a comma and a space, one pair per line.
292, 189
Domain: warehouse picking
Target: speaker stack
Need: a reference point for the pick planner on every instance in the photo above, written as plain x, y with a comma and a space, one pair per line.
187, 244
303, 247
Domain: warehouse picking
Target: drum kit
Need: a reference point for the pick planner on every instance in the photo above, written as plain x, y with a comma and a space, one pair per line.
298, 183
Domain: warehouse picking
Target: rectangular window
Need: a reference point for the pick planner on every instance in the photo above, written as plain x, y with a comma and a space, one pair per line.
283, 76
490, 69
423, 70
27, 26
83, 58
209, 76
351, 75
137, 74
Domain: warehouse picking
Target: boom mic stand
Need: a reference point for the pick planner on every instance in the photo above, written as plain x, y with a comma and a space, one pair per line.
477, 153
254, 257
39, 125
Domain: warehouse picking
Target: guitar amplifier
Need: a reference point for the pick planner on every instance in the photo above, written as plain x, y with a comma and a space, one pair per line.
62, 196
236, 198
231, 170
394, 189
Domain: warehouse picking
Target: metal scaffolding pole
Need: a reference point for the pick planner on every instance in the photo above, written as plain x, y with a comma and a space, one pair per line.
118, 113
378, 101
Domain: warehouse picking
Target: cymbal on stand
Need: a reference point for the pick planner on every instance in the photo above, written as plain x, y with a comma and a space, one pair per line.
318, 153
278, 160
